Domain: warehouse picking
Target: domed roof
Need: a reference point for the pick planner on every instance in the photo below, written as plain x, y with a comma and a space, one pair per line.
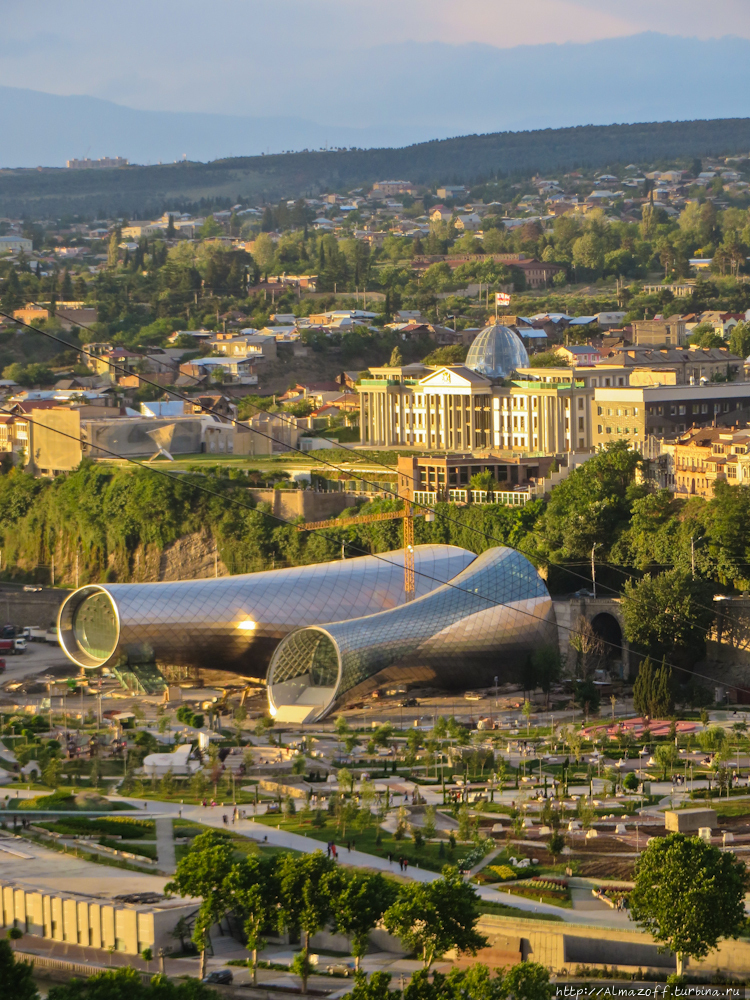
496, 352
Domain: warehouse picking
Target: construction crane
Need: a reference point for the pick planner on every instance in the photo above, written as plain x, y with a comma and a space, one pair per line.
408, 516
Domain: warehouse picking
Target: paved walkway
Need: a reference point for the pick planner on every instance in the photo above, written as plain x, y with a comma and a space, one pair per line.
165, 845
261, 833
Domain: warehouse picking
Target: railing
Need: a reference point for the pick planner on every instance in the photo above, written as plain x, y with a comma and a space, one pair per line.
510, 498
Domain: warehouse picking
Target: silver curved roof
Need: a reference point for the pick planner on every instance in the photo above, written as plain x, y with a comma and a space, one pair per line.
217, 622
479, 625
496, 352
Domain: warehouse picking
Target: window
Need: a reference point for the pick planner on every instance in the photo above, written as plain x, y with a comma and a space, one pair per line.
695, 408
673, 411
599, 429
704, 407
580, 423
619, 413
609, 412
732, 471
580, 402
683, 411
621, 381
598, 411
609, 430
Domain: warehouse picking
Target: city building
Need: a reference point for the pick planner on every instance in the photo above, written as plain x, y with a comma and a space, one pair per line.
689, 364
455, 409
15, 244
663, 411
704, 456
434, 478
239, 620
670, 332
103, 163
126, 924
481, 625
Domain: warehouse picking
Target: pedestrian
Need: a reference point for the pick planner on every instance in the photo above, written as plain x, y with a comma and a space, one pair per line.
328, 848
406, 864
226, 821
390, 858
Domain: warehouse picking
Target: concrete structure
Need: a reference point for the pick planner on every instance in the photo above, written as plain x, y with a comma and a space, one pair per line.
121, 923
58, 438
604, 614
690, 820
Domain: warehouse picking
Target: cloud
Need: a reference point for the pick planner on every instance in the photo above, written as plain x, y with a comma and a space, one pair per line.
241, 56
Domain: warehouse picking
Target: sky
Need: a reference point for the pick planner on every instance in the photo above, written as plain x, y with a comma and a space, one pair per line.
252, 57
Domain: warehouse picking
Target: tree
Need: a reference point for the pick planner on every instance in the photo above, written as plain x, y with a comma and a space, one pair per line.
483, 481
653, 690
358, 904
376, 988
739, 340
688, 895
527, 981
127, 984
397, 358
433, 917
304, 904
202, 874
16, 977
547, 667
527, 711
252, 887
669, 614
555, 845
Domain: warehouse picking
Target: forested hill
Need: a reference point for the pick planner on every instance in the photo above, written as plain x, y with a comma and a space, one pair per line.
137, 192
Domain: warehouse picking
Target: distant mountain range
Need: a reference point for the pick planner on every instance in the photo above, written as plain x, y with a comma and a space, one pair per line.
398, 94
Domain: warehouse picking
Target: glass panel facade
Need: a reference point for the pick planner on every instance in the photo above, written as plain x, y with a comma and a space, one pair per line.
236, 622
481, 624
496, 352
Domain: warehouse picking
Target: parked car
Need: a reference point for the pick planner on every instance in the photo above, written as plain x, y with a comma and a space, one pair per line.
339, 969
221, 977
31, 588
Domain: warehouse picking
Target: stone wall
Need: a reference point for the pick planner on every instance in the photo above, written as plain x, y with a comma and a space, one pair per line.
291, 504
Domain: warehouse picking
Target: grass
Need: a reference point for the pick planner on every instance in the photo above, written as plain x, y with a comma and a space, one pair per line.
501, 910
427, 857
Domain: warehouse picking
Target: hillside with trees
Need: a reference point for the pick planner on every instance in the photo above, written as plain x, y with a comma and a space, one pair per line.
136, 191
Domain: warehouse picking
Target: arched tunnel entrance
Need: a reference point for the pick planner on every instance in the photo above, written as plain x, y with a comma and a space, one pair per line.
607, 628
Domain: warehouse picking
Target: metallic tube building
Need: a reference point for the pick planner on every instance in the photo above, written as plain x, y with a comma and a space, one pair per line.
235, 622
480, 625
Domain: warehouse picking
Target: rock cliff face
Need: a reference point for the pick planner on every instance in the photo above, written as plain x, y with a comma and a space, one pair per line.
192, 557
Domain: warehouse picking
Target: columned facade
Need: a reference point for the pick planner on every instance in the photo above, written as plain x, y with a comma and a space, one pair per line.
458, 410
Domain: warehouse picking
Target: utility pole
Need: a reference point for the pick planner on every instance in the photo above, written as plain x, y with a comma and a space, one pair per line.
593, 568
76, 569
53, 571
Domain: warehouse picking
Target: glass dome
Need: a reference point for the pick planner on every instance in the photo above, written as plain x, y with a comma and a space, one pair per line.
496, 352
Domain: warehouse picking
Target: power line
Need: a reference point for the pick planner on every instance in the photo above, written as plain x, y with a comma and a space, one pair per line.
331, 465
380, 557
446, 518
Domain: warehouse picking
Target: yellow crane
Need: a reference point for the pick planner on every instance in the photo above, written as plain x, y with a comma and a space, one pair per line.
408, 516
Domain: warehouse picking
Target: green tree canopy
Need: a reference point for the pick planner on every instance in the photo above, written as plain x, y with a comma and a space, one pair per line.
688, 895
669, 614
433, 917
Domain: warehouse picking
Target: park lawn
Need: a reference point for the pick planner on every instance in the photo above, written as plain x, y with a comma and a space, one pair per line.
502, 910
726, 808
426, 857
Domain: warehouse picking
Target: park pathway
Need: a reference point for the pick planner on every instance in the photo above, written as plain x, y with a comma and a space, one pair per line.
165, 845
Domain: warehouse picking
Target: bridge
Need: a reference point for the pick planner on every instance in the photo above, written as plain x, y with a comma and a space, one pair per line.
604, 615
